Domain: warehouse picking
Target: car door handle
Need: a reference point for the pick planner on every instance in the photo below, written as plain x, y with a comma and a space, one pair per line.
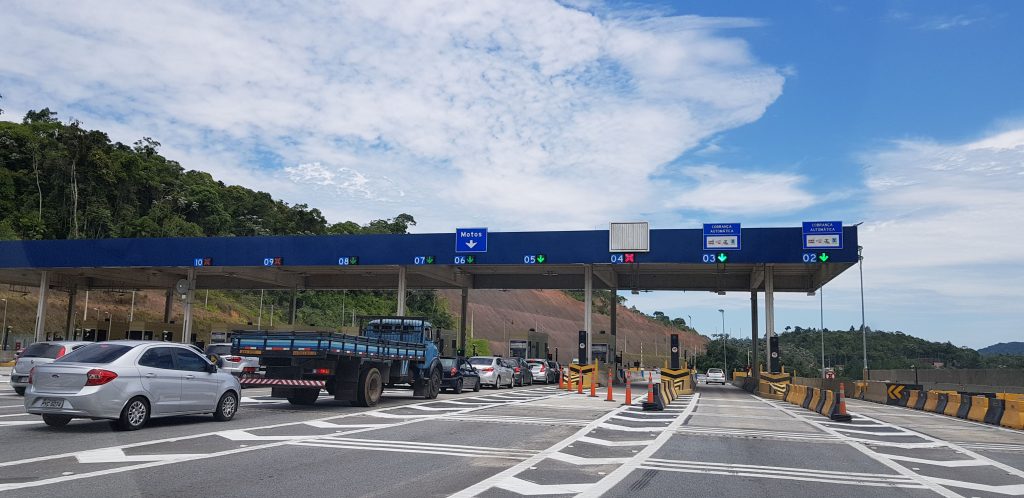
150, 374
190, 376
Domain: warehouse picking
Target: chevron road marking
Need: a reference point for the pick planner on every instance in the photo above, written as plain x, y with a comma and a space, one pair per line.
795, 474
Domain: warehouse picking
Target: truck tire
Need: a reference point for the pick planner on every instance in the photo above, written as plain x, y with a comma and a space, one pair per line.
304, 397
433, 384
369, 389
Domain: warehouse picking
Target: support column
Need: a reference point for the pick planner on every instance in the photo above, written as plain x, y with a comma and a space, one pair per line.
69, 325
186, 328
588, 304
168, 305
44, 286
754, 368
401, 290
614, 329
769, 313
462, 321
291, 311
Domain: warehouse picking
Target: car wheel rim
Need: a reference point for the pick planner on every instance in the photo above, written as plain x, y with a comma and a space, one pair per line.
136, 413
228, 407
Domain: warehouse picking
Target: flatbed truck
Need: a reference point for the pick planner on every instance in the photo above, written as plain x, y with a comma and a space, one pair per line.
390, 350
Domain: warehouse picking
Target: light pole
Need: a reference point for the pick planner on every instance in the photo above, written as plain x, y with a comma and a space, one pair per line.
690, 322
725, 356
271, 315
131, 314
863, 332
821, 300
259, 317
3, 330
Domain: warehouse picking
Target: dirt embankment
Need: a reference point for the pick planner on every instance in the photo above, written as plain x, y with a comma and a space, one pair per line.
496, 315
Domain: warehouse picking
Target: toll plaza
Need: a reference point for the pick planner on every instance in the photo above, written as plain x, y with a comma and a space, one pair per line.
719, 258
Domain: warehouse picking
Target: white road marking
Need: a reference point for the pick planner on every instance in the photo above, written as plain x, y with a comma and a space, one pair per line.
769, 472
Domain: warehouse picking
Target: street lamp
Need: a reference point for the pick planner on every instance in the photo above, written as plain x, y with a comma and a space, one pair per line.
863, 332
725, 356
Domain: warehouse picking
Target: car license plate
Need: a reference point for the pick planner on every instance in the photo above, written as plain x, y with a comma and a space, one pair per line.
52, 403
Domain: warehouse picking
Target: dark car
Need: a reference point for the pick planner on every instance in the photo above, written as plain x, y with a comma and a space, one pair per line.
523, 375
458, 374
545, 371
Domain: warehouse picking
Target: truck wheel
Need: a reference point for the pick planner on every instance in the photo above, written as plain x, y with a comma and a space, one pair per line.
304, 397
369, 389
458, 387
433, 384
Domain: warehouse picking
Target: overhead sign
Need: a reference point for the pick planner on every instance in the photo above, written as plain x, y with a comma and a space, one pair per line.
823, 235
470, 240
722, 237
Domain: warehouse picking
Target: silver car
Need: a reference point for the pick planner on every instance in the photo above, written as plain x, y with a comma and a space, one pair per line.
39, 353
233, 364
129, 382
493, 371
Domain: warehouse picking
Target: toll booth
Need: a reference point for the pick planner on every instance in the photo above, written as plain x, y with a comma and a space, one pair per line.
447, 342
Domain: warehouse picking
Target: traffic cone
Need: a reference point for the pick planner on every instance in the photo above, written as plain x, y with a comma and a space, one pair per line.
593, 384
841, 414
560, 383
579, 385
650, 387
629, 390
610, 398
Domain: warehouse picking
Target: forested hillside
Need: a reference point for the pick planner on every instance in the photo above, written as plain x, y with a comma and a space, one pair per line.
59, 180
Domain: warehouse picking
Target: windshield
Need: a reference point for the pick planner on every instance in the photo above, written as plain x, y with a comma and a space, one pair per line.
481, 361
219, 349
42, 350
448, 362
96, 353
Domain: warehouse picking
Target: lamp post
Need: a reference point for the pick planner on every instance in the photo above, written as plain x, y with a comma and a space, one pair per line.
725, 355
863, 332
3, 330
915, 373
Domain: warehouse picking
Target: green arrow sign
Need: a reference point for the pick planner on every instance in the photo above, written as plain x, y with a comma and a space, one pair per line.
722, 257
430, 260
823, 257
470, 259
541, 258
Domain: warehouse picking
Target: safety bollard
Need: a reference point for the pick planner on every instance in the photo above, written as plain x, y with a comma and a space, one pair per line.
593, 384
610, 398
629, 391
650, 387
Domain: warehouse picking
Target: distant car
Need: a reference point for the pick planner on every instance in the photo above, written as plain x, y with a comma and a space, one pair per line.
458, 374
233, 364
715, 376
39, 353
702, 378
129, 382
522, 373
493, 371
543, 370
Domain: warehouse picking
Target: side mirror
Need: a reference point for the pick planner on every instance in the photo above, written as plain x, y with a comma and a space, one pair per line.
214, 359
211, 368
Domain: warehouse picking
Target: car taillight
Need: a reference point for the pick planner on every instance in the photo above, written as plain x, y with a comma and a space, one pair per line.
60, 352
517, 369
249, 370
454, 370
322, 371
30, 374
234, 358
487, 369
542, 369
98, 377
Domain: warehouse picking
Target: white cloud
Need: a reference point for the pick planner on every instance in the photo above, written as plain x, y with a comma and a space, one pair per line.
724, 190
525, 114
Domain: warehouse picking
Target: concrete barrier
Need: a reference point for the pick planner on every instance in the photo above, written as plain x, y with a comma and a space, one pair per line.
1013, 414
913, 398
996, 407
877, 392
952, 404
808, 397
943, 401
978, 409
828, 404
931, 403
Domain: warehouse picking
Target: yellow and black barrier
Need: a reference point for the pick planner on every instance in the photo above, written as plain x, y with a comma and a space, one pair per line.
676, 382
1013, 414
581, 373
825, 402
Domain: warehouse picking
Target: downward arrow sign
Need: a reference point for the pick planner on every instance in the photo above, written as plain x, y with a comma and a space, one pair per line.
823, 257
471, 244
722, 257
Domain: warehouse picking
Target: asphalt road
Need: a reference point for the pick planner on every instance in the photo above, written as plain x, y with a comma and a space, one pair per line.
525, 441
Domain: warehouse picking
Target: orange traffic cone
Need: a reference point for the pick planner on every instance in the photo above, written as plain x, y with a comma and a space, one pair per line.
650, 387
629, 390
561, 384
610, 398
593, 384
841, 414
579, 385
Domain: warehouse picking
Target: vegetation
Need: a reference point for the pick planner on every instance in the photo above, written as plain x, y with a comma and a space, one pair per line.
1003, 348
800, 350
62, 181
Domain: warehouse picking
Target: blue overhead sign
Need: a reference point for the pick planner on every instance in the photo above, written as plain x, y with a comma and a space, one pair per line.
470, 240
823, 235
722, 237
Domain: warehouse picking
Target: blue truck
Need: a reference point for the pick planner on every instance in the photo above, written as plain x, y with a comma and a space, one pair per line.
389, 351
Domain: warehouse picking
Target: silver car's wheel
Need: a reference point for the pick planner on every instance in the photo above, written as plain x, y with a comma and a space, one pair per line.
56, 420
226, 407
134, 415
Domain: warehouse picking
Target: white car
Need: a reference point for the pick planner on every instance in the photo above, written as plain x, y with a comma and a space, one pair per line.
233, 364
493, 371
715, 376
39, 353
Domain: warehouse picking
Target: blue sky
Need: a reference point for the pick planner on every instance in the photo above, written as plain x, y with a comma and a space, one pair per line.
539, 115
